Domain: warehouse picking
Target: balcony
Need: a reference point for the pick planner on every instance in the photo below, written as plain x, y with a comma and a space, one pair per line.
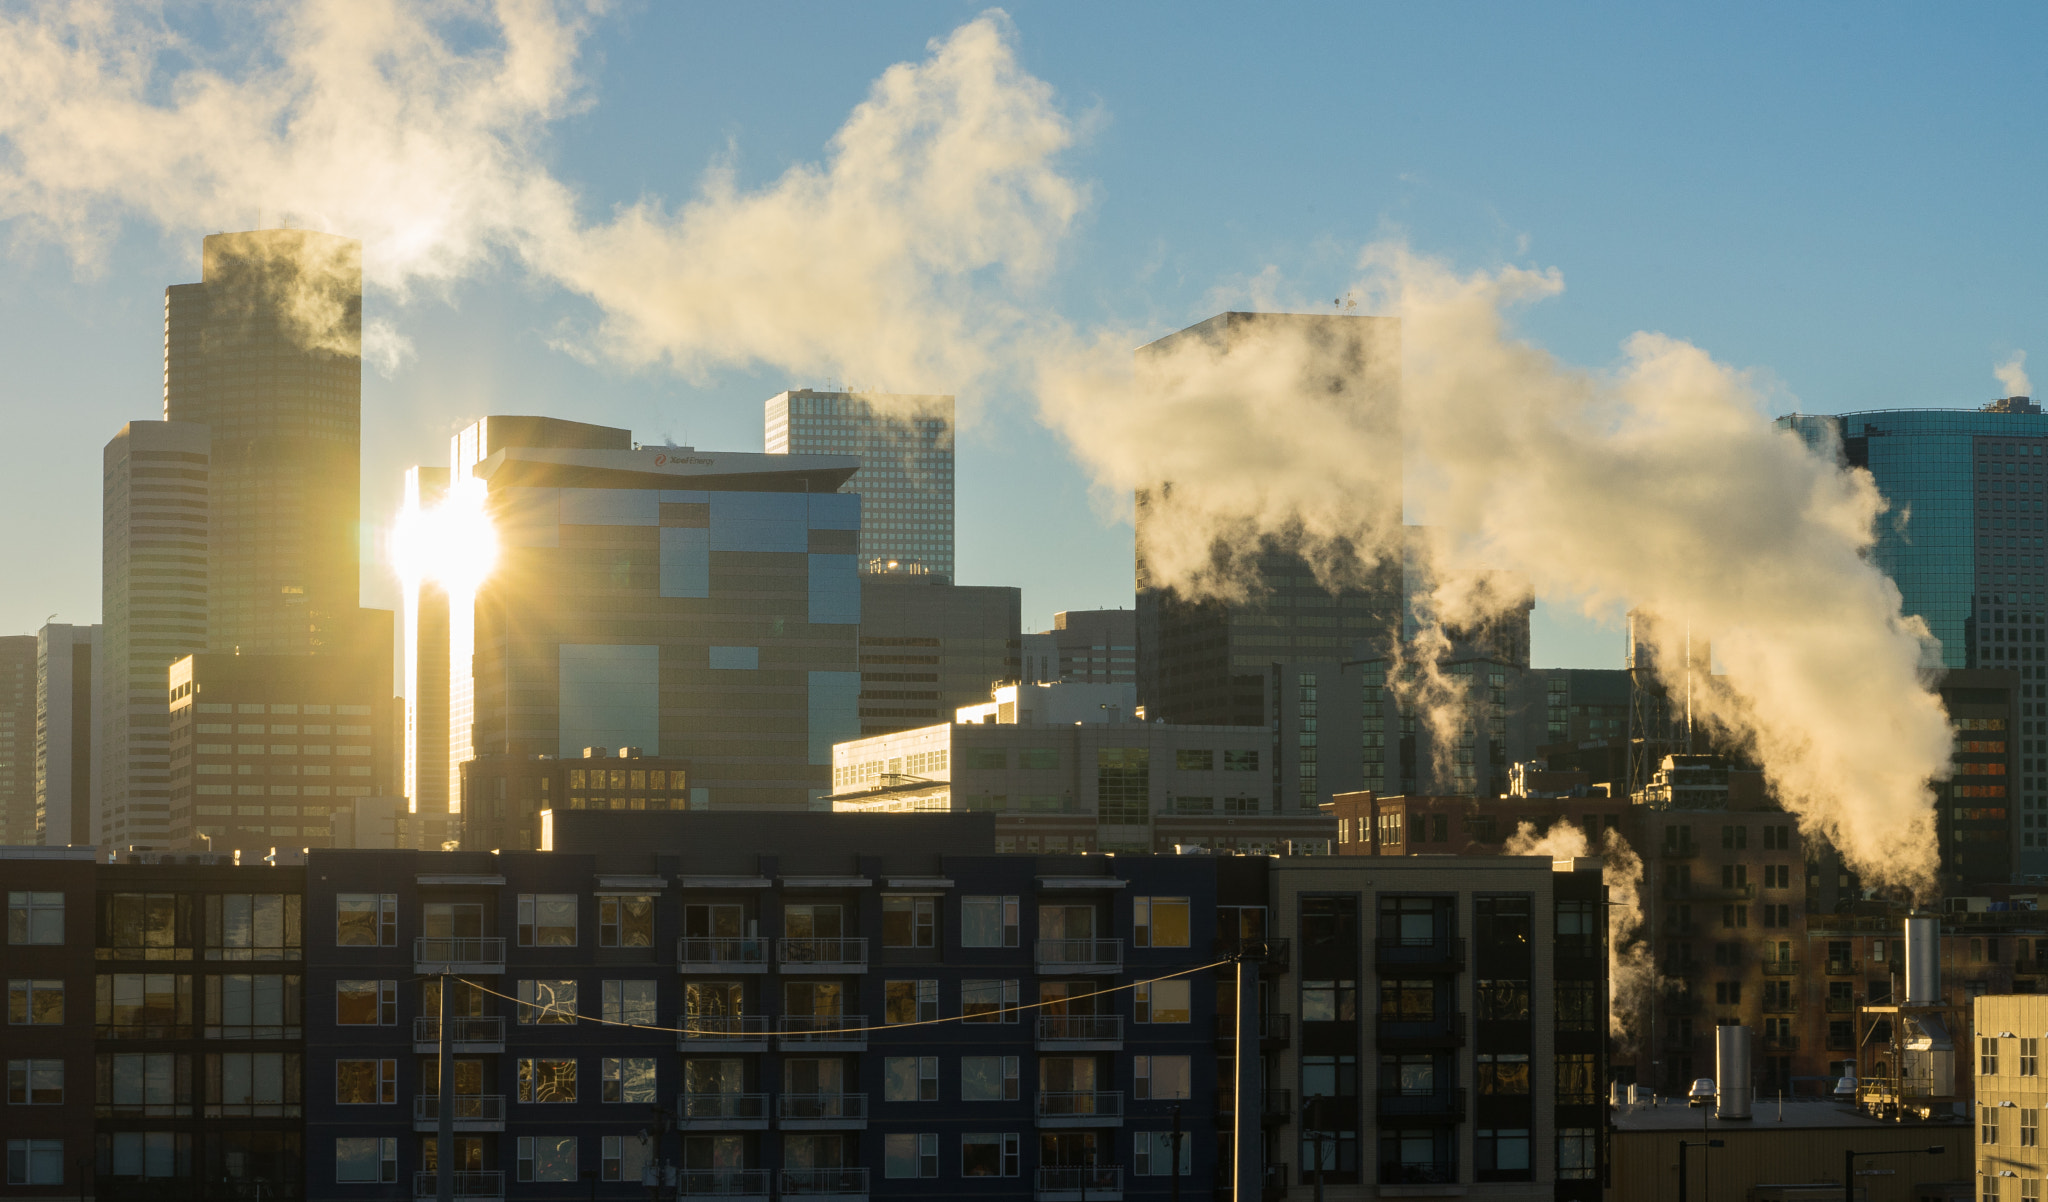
1424, 1103
473, 1112
433, 955
472, 1185
821, 955
723, 1033
723, 1111
1079, 955
1273, 955
1276, 1106
821, 1111
1073, 1183
1081, 1033
1439, 1031
825, 1183
1844, 968
822, 1032
1429, 955
1781, 1005
720, 955
1781, 1043
723, 1183
1839, 1005
1080, 1108
1274, 1030
464, 1034
1785, 966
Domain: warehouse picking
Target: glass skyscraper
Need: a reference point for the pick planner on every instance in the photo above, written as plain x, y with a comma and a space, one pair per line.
905, 482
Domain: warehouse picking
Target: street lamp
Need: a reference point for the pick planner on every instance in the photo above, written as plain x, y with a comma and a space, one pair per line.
1849, 1165
1682, 1146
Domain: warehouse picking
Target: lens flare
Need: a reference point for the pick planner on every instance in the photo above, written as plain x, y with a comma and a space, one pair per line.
451, 543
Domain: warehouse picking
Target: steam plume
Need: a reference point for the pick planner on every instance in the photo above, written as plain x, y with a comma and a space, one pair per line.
2013, 375
1631, 973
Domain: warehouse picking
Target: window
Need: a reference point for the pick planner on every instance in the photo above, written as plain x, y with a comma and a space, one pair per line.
145, 1083
2030, 1057
252, 1084
366, 1159
1160, 922
1502, 999
910, 1078
1581, 1006
1987, 1056
1987, 1124
366, 920
147, 1005
547, 1158
625, 1079
1038, 757
366, 1003
35, 1003
910, 921
143, 926
547, 1081
1160, 1077
1240, 761
991, 1154
1503, 1154
1578, 1153
1198, 760
35, 917
2030, 1128
252, 926
988, 921
547, 920
621, 921
1162, 1002
1152, 1153
1578, 1083
626, 1157
1329, 1001
252, 1006
989, 1001
35, 1162
911, 1002
629, 1002
1502, 1073
365, 1082
988, 1079
911, 1154
145, 1154
547, 1003
35, 1082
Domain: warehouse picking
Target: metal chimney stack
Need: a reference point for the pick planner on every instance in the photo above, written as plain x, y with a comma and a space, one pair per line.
1734, 1090
1923, 960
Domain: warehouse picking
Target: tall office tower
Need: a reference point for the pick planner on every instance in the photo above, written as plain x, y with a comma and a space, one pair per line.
905, 448
153, 593
17, 739
267, 352
66, 659
1207, 662
702, 605
928, 647
1093, 646
426, 784
1964, 543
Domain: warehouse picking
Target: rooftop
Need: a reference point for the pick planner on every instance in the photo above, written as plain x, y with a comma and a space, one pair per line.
1672, 1114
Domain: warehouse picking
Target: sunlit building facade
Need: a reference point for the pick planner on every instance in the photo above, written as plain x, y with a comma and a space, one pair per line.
905, 447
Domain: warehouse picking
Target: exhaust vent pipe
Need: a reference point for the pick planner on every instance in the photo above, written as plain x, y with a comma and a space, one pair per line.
1734, 1092
1923, 960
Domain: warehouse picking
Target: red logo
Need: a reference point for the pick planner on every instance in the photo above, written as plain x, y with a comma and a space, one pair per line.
660, 459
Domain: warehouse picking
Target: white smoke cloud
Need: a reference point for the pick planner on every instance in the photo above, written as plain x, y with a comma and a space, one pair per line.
2012, 375
1631, 971
418, 130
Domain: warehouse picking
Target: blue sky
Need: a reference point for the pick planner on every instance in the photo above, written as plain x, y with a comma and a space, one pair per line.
1842, 198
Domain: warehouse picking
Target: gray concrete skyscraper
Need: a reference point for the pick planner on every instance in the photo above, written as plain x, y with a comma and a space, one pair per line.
905, 447
17, 739
65, 667
266, 351
153, 607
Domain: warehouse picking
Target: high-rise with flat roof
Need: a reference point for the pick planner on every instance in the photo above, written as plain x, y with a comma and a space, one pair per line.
928, 647
428, 768
267, 351
1093, 646
905, 447
1966, 542
153, 608
64, 708
18, 739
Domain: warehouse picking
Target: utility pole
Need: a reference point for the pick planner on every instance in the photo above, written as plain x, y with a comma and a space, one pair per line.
1245, 1145
444, 1109
1703, 1144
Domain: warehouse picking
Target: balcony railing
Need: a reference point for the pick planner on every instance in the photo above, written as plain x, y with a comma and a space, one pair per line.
1444, 954
1781, 966
1781, 1005
1444, 1102
822, 1029
821, 1107
1082, 1105
1446, 1030
472, 1111
695, 954
1058, 1030
467, 1185
432, 953
1839, 1005
1080, 955
466, 1034
709, 1032
735, 1107
822, 955
1843, 968
825, 1183
1060, 1183
723, 1183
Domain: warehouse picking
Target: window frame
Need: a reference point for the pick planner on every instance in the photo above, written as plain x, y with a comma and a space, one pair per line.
383, 1080
535, 1076
1145, 1004
612, 919
530, 929
1008, 1146
1009, 911
383, 919
924, 1081
612, 1080
386, 1149
27, 1068
1143, 1074
1145, 924
554, 1013
386, 992
27, 910
923, 909
1009, 1000
34, 993
1007, 1076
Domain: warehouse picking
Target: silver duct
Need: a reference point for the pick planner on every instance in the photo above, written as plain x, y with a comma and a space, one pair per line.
1734, 1090
1923, 960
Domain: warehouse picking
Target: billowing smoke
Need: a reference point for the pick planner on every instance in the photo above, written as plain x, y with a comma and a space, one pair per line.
1631, 972
417, 129
2013, 375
